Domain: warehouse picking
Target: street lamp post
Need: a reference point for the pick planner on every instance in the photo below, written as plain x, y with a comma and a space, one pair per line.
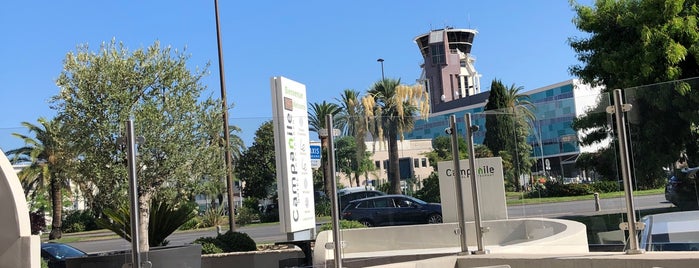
226, 133
382, 75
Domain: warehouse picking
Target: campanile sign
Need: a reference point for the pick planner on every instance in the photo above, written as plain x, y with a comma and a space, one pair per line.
293, 155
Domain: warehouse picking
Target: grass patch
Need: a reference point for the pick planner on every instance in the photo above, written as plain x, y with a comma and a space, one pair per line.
519, 198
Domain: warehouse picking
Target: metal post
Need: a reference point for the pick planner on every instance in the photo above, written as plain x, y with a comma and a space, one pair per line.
598, 207
226, 131
474, 185
618, 109
133, 194
335, 209
453, 130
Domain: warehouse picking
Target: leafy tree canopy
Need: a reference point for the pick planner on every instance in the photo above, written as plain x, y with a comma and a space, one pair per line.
100, 91
257, 166
634, 43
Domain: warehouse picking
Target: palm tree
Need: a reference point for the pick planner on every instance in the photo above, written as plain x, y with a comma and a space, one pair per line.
352, 115
390, 109
47, 163
523, 116
316, 122
237, 145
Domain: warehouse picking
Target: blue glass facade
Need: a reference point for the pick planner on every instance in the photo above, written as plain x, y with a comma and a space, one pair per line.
554, 110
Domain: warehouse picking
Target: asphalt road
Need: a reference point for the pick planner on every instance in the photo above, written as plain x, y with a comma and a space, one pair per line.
272, 233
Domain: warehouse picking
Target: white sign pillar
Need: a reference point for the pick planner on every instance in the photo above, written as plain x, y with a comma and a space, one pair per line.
293, 159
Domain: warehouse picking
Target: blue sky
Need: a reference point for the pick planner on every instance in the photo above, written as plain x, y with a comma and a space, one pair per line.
327, 45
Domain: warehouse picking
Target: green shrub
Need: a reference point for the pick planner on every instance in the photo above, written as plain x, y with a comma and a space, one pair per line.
247, 216
558, 189
606, 186
193, 223
164, 219
344, 224
79, 221
74, 227
430, 189
213, 217
209, 245
271, 216
236, 242
251, 202
323, 208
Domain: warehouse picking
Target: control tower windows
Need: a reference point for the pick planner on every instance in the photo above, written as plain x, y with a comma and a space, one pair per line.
437, 51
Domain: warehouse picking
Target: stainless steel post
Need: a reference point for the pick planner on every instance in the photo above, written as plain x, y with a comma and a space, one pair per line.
133, 193
452, 130
619, 109
337, 238
474, 185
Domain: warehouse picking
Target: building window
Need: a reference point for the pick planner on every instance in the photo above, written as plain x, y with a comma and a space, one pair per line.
377, 164
424, 162
416, 162
437, 51
385, 164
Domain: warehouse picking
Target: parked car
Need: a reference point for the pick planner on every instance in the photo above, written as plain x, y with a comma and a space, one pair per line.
681, 189
387, 210
55, 254
348, 194
672, 231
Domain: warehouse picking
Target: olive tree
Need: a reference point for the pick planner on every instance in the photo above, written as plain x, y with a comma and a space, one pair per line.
101, 90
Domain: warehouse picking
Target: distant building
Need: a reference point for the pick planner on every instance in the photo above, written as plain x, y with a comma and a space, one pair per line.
449, 75
552, 134
414, 165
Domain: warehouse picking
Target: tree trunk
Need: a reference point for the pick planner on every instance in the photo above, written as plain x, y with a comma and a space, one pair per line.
57, 203
393, 169
143, 218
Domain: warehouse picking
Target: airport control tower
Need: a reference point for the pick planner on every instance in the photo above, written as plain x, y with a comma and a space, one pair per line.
448, 71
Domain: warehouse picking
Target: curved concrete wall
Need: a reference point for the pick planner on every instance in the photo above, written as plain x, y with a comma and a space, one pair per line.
18, 247
503, 236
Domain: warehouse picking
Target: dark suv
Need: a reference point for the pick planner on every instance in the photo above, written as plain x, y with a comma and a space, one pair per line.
681, 189
389, 210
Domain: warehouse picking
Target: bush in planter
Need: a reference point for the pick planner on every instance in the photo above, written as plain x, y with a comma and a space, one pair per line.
165, 218
228, 242
236, 241
209, 245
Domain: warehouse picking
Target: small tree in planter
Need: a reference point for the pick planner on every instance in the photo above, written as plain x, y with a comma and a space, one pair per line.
165, 218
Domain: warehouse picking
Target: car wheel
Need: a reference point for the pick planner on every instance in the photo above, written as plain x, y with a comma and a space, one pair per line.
434, 218
366, 223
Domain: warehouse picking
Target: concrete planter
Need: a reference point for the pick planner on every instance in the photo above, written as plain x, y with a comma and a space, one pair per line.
161, 257
254, 259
